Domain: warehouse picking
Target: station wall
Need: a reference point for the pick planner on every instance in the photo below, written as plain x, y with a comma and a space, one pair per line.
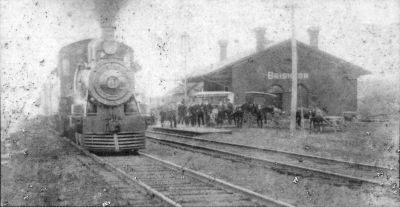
322, 82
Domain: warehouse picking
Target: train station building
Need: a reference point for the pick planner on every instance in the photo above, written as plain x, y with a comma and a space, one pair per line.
324, 80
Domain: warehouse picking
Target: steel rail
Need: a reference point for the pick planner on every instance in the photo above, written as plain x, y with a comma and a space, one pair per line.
266, 162
206, 178
194, 174
291, 154
123, 175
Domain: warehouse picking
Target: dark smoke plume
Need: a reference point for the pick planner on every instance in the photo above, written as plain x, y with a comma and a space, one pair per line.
106, 11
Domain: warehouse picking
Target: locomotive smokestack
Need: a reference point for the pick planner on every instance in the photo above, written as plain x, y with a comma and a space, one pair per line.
260, 38
223, 45
313, 33
108, 33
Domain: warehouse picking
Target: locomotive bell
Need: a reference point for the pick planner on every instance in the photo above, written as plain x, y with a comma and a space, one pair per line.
110, 83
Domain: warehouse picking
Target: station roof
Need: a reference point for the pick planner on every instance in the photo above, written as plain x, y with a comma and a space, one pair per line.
227, 64
260, 93
212, 93
180, 89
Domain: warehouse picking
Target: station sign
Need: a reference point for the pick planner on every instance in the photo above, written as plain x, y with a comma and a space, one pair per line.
283, 76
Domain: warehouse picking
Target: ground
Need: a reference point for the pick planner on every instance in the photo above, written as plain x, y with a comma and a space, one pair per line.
305, 192
370, 143
42, 169
38, 168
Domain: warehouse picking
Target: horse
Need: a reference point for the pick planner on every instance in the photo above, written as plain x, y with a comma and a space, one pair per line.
307, 114
315, 115
248, 113
237, 116
252, 111
317, 118
265, 111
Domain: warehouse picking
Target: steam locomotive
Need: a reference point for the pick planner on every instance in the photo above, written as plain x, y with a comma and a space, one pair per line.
97, 107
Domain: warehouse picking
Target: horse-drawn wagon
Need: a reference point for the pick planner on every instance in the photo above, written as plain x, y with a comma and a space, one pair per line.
213, 97
259, 107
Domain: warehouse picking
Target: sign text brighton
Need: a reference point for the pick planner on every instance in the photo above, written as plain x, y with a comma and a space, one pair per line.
272, 75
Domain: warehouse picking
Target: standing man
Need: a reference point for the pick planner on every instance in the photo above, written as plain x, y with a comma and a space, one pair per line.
259, 115
184, 112
192, 111
200, 114
187, 116
171, 115
163, 115
208, 111
229, 111
181, 112
223, 110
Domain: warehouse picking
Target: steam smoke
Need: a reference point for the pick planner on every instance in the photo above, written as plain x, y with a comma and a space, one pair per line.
106, 11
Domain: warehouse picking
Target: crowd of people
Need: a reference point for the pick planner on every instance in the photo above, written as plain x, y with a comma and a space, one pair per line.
215, 115
225, 113
195, 114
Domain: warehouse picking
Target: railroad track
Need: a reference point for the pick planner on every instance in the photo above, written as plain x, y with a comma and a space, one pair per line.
335, 171
179, 186
134, 193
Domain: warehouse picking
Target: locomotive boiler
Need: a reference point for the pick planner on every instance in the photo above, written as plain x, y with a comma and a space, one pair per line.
97, 107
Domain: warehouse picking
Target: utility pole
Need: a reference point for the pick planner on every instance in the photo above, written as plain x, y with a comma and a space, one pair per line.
185, 46
398, 141
293, 107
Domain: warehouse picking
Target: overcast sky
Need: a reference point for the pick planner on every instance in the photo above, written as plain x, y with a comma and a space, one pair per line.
363, 32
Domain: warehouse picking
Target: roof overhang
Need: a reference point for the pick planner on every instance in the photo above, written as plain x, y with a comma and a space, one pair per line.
212, 93
260, 93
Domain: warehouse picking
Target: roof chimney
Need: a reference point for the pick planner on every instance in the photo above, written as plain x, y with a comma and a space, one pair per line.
223, 44
313, 32
260, 38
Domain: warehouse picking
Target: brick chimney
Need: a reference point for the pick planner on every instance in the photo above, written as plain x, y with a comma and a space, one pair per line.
260, 38
223, 44
313, 33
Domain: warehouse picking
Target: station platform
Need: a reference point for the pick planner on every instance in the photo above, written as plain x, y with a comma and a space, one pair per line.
191, 131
